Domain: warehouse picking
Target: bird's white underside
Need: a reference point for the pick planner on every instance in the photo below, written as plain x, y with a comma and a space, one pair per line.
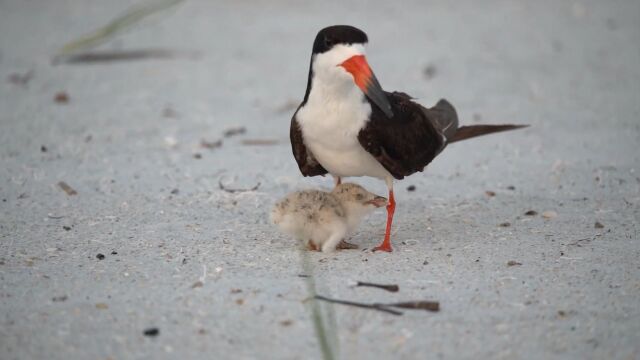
334, 114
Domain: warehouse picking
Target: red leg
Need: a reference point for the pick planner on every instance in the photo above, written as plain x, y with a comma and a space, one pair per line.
391, 208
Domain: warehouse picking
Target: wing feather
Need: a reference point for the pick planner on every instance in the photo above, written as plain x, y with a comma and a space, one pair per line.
411, 139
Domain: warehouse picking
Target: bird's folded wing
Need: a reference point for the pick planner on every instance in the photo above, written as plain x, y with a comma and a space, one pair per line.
307, 163
405, 143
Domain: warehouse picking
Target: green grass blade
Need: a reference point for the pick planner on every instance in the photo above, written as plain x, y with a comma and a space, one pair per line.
116, 26
324, 322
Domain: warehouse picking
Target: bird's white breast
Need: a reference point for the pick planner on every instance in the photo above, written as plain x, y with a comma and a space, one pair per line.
330, 121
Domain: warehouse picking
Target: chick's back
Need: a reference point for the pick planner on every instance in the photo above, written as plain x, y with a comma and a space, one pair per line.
307, 214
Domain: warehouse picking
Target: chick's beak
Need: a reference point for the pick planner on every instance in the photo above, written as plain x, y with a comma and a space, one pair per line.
378, 201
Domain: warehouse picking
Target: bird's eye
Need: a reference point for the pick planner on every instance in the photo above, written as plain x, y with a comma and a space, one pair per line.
359, 197
328, 42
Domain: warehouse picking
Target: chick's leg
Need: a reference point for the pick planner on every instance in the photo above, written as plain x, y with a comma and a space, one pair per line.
337, 180
312, 246
344, 245
336, 236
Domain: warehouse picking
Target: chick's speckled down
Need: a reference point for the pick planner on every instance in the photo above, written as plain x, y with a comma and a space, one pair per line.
322, 218
310, 205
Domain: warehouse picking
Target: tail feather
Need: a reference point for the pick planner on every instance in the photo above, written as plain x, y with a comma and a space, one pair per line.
444, 117
471, 131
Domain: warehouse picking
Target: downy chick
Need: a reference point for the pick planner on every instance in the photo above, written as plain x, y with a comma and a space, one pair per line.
323, 219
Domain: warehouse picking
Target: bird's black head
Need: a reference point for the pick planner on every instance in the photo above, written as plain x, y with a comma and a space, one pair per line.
338, 34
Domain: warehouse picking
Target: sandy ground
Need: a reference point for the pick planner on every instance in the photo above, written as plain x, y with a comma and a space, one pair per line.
206, 268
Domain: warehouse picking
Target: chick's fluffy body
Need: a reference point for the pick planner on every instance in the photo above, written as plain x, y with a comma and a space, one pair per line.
323, 218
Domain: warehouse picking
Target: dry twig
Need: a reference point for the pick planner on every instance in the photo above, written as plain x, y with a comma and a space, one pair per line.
390, 288
229, 190
379, 307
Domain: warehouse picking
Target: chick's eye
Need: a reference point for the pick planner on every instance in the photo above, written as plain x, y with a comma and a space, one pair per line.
359, 197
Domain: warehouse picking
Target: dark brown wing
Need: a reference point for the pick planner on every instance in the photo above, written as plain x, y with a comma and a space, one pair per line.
308, 165
414, 136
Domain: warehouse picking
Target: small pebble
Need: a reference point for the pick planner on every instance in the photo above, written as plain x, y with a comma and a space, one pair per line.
286, 322
169, 113
429, 71
197, 156
114, 253
43, 148
100, 256
511, 187
411, 188
102, 306
171, 141
513, 263
61, 98
549, 214
66, 228
490, 193
59, 298
175, 191
598, 225
505, 224
152, 331
531, 213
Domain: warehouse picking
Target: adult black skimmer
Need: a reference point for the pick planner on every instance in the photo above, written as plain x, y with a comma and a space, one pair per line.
348, 126
323, 220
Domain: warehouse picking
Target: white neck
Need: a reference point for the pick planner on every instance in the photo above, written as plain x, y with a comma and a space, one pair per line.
331, 82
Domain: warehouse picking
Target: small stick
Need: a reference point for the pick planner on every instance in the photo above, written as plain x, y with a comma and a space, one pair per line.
390, 288
379, 307
234, 131
222, 187
66, 188
576, 243
260, 142
210, 144
417, 305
